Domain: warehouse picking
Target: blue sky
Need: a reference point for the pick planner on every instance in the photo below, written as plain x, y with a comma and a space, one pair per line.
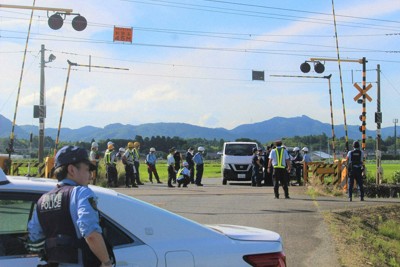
191, 61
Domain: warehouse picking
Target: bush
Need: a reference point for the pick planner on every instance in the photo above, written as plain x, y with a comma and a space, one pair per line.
396, 177
382, 191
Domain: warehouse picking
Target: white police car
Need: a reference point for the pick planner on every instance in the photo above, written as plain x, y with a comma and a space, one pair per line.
142, 234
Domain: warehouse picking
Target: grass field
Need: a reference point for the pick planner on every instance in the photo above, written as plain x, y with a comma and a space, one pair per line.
367, 236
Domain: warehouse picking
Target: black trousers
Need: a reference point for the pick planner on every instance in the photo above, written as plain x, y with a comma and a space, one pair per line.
112, 175
199, 173
280, 177
152, 169
171, 174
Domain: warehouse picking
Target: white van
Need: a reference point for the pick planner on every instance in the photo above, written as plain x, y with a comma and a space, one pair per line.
236, 161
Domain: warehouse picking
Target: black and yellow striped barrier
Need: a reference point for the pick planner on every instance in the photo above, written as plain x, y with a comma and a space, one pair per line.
320, 170
26, 169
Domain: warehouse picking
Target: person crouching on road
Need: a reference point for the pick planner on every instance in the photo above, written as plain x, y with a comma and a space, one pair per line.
75, 222
128, 161
171, 167
183, 176
280, 160
110, 160
151, 160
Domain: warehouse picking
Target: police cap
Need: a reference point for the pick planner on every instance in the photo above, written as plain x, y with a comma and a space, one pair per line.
356, 144
72, 154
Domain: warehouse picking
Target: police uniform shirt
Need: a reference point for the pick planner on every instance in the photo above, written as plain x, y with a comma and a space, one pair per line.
151, 159
170, 160
306, 158
273, 156
198, 158
82, 209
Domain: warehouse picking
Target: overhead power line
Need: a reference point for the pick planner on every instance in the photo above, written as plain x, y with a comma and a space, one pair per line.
241, 12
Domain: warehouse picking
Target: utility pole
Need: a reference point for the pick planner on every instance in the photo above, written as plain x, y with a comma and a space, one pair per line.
378, 120
395, 121
41, 114
42, 108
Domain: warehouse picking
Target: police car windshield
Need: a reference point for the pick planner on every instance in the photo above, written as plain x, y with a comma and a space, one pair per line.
239, 149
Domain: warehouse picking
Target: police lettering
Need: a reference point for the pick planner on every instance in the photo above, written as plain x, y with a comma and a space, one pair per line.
51, 202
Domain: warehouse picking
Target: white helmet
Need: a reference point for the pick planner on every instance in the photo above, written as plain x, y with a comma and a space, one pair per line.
109, 143
121, 149
152, 149
305, 149
296, 149
95, 145
201, 149
185, 164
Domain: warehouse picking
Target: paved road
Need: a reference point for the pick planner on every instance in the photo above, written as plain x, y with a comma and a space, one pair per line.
298, 220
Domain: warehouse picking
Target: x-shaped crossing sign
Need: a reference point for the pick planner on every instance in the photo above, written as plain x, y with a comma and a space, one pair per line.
360, 90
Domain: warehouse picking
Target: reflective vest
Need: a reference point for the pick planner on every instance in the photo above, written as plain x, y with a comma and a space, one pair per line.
279, 156
136, 156
107, 157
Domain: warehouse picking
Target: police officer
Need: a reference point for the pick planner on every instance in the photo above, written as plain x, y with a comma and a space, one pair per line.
296, 161
280, 160
199, 161
67, 217
129, 163
355, 169
189, 160
151, 160
256, 165
171, 167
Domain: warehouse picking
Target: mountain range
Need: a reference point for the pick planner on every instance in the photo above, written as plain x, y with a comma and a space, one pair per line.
264, 131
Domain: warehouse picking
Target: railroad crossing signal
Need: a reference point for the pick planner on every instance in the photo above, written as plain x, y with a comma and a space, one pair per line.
360, 90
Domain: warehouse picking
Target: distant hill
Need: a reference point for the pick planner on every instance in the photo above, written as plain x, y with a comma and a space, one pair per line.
264, 131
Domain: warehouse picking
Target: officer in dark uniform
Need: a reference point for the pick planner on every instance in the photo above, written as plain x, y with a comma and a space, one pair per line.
355, 168
66, 218
256, 165
189, 160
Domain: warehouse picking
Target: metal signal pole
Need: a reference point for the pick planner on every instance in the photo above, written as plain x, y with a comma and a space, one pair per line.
330, 102
65, 94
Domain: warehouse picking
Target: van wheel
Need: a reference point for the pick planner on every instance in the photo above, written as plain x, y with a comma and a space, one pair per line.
224, 181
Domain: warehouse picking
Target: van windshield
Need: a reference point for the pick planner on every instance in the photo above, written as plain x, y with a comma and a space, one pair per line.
239, 149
